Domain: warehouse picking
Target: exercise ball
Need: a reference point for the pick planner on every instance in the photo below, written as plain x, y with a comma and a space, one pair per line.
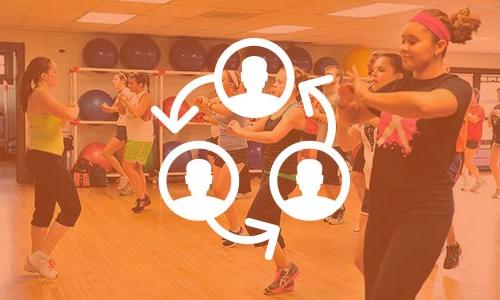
90, 106
187, 54
93, 153
300, 58
198, 118
179, 164
100, 53
273, 61
232, 63
322, 63
358, 57
167, 106
140, 52
255, 156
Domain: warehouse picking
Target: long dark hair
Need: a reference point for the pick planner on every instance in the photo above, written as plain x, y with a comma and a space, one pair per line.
35, 69
140, 78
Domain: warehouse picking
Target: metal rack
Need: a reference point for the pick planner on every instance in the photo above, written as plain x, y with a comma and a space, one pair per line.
5, 139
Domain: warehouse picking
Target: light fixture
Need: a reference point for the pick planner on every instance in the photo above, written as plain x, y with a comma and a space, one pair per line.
104, 18
278, 29
375, 9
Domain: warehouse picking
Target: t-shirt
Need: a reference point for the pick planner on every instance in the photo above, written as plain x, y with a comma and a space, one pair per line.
416, 153
496, 126
122, 118
475, 130
227, 140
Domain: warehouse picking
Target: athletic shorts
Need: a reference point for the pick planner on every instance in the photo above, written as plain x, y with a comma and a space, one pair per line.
138, 151
365, 204
472, 144
330, 167
359, 161
239, 156
457, 164
121, 133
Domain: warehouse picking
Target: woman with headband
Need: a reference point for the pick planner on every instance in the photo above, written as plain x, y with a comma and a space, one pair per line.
411, 196
235, 145
117, 143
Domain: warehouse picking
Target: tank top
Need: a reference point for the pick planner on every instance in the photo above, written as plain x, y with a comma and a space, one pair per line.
271, 151
122, 118
227, 140
45, 133
137, 129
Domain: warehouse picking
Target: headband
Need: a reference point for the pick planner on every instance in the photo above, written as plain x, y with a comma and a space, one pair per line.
433, 24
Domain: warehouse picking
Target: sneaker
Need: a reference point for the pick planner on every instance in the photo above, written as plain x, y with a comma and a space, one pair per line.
475, 188
496, 194
126, 191
283, 280
228, 243
122, 183
41, 263
140, 204
453, 253
337, 217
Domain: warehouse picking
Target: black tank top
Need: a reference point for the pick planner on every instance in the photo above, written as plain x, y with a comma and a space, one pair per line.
271, 151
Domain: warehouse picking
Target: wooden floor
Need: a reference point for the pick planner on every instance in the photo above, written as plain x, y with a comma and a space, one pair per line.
113, 254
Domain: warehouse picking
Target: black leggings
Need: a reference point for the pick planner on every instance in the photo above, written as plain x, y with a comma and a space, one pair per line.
400, 250
53, 183
265, 209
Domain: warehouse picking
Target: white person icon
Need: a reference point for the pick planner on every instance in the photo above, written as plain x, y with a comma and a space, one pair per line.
198, 179
254, 77
309, 179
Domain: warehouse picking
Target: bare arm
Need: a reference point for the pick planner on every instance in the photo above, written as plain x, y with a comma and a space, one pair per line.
141, 108
290, 121
50, 105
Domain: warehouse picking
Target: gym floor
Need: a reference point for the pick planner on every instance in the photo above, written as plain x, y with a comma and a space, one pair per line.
114, 254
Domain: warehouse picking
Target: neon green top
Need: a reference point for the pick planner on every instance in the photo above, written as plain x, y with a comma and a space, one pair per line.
45, 133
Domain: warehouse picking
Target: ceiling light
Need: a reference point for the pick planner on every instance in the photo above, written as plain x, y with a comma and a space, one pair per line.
104, 18
277, 29
375, 9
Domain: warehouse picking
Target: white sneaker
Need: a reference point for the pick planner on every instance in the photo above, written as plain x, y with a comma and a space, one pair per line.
41, 263
122, 183
127, 190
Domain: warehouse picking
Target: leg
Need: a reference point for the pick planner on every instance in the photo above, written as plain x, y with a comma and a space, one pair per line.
140, 170
451, 239
221, 189
469, 163
414, 247
359, 246
113, 146
134, 178
69, 202
494, 159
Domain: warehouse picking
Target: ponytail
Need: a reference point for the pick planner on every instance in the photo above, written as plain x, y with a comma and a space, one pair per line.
35, 69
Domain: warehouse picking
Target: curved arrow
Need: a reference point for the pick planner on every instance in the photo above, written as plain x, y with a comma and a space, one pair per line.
173, 123
309, 87
270, 234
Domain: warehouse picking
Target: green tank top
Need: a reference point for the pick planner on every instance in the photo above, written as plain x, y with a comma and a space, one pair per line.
45, 133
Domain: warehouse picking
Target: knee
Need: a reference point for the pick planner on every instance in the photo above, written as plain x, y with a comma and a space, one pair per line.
70, 213
42, 216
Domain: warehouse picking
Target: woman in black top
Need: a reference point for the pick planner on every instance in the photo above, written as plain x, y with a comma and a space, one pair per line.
494, 122
277, 132
411, 197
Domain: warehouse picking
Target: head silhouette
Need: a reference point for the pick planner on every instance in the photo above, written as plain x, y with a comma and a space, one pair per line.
254, 74
309, 177
198, 177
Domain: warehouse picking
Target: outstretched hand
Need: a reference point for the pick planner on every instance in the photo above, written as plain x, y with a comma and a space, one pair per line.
235, 127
